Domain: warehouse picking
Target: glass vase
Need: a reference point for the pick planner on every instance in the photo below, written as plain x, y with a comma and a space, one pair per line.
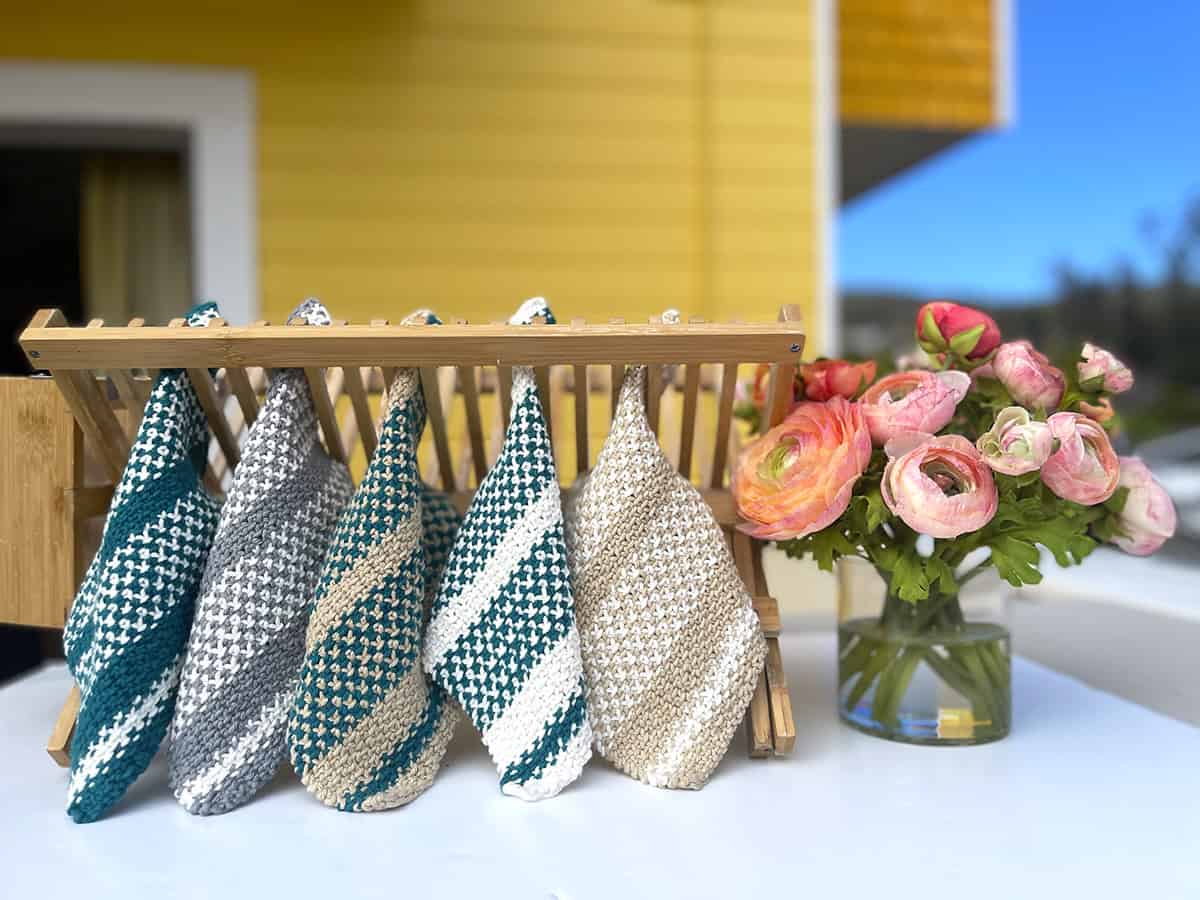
937, 671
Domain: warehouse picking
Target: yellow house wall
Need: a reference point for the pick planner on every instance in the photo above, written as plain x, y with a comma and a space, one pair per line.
619, 158
918, 63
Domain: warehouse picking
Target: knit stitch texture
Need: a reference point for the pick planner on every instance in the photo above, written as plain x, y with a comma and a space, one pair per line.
247, 642
127, 629
368, 730
502, 639
672, 648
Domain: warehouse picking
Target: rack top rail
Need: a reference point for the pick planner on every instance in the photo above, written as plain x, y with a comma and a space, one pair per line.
51, 344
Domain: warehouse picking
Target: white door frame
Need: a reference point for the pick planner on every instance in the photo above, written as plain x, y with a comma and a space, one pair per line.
214, 107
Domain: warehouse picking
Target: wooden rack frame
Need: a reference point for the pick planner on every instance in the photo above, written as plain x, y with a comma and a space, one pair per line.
104, 375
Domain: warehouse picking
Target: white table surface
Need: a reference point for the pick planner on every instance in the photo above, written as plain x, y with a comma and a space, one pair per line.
1090, 796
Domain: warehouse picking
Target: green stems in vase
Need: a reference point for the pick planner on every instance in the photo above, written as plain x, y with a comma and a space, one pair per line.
920, 672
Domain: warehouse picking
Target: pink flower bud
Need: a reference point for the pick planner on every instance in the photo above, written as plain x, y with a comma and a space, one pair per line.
798, 477
915, 400
1016, 444
1084, 469
1148, 518
939, 486
1028, 375
828, 378
943, 326
1100, 370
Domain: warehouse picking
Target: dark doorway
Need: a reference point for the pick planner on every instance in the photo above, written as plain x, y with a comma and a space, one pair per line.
85, 226
39, 241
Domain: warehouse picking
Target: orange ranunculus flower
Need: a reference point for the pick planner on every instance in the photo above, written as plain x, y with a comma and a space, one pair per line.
828, 378
797, 478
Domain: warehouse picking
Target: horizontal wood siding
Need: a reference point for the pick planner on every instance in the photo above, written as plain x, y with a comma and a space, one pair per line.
619, 158
918, 63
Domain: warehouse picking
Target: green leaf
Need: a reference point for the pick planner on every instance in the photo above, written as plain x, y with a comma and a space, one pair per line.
877, 510
938, 571
1016, 561
964, 342
909, 581
930, 333
1117, 501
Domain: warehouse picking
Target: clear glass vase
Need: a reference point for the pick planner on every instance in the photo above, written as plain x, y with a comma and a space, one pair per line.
937, 671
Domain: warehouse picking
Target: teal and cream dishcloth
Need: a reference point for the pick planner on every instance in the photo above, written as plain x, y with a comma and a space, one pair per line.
367, 729
502, 639
247, 642
128, 627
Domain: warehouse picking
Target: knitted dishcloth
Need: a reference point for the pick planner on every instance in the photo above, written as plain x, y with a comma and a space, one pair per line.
368, 730
127, 629
502, 639
672, 648
247, 642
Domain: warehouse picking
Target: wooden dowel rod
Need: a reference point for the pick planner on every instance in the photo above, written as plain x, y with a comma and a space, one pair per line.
470, 394
239, 384
580, 388
323, 405
323, 402
437, 422
724, 422
541, 377
365, 424
89, 408
350, 434
207, 395
687, 427
505, 375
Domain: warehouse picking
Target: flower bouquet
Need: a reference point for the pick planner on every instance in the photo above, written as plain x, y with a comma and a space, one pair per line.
976, 456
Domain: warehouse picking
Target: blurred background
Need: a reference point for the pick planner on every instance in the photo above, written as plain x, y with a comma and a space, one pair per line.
856, 157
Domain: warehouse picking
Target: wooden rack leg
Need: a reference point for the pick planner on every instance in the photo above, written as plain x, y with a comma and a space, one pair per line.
59, 744
769, 723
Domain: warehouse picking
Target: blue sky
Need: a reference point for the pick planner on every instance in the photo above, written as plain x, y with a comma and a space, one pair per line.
1106, 131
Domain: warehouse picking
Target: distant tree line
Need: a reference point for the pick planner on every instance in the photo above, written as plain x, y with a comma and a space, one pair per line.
1152, 323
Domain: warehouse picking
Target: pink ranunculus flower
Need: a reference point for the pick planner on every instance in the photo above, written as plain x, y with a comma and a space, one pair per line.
1016, 444
1028, 375
944, 326
1100, 370
915, 400
940, 486
827, 378
798, 477
1084, 469
1148, 518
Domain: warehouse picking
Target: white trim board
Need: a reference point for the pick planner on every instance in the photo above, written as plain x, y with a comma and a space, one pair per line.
828, 176
214, 107
1004, 64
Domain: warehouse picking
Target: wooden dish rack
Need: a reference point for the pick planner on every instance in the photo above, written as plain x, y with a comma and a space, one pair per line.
66, 448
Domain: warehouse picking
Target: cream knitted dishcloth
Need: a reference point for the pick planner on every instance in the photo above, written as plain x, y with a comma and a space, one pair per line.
671, 645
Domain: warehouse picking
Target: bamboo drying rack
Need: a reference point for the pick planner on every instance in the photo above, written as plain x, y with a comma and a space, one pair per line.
104, 375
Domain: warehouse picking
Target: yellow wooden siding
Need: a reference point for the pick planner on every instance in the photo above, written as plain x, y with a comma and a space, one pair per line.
619, 158
918, 63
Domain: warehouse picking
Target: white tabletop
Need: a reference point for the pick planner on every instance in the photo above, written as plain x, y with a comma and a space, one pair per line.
1090, 796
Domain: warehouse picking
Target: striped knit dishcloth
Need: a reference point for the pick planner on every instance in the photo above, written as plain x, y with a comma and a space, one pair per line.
368, 730
672, 647
247, 642
127, 629
502, 639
